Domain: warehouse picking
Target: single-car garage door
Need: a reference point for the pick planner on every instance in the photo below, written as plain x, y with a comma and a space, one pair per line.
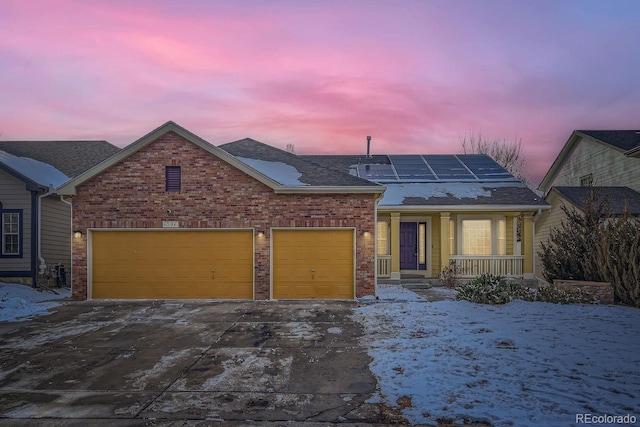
198, 264
313, 264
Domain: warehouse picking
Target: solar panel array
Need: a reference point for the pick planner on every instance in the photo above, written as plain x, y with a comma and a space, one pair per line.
436, 167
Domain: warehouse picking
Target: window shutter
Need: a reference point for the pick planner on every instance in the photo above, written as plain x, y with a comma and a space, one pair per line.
174, 177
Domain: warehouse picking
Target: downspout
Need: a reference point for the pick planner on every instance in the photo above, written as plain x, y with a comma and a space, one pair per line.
43, 266
70, 272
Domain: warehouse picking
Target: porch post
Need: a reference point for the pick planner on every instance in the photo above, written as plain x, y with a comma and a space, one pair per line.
395, 245
444, 240
527, 245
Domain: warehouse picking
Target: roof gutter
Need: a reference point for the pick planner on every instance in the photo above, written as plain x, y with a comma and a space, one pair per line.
319, 189
466, 208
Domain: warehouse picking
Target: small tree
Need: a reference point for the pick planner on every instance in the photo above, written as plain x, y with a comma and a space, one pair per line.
507, 154
596, 245
618, 256
567, 253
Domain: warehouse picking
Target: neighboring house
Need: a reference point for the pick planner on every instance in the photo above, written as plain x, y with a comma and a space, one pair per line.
447, 209
36, 222
172, 216
607, 160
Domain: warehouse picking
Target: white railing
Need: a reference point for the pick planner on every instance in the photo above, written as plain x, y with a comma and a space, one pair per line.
383, 265
499, 265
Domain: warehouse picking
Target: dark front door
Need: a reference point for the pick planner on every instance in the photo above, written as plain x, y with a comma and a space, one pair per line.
408, 246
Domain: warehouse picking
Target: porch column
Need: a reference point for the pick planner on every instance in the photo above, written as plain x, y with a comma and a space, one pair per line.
444, 240
527, 245
395, 245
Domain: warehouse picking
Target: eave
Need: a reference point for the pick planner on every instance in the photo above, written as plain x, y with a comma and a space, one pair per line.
458, 208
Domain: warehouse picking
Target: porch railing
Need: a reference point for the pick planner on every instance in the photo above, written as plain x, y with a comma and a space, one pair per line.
474, 265
383, 265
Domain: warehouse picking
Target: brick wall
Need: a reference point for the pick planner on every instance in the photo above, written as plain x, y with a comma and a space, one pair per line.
131, 194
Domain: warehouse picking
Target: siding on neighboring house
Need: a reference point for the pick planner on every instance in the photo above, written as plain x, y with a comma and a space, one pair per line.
13, 195
546, 221
56, 232
214, 195
608, 166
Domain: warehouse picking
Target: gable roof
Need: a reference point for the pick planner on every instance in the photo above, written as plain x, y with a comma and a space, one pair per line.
620, 198
69, 157
69, 188
626, 142
268, 160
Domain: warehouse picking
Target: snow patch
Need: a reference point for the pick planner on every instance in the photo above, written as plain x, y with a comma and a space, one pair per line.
396, 193
40, 172
523, 363
334, 330
22, 301
280, 172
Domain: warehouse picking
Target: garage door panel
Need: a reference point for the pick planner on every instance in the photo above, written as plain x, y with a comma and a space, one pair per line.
172, 264
314, 263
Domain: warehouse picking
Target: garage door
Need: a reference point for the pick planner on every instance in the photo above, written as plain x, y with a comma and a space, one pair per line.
313, 264
172, 264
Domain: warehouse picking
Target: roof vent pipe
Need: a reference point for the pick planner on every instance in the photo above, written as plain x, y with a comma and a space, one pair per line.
368, 147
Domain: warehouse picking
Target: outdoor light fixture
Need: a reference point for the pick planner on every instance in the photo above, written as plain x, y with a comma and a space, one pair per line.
366, 233
261, 234
77, 234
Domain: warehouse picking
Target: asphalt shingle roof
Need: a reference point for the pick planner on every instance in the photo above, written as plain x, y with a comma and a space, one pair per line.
69, 157
620, 198
312, 174
624, 139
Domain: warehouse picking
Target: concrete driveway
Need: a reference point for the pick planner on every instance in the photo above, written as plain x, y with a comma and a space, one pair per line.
180, 363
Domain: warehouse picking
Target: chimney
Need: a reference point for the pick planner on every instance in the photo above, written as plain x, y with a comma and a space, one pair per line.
368, 147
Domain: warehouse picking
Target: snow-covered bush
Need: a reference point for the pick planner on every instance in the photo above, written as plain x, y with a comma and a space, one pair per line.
489, 289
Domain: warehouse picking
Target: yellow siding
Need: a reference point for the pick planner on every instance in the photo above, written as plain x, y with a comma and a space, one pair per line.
435, 241
509, 235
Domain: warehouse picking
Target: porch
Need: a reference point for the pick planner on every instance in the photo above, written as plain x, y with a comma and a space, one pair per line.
470, 265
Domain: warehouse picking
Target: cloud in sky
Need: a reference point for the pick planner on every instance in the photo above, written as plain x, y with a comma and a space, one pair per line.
416, 75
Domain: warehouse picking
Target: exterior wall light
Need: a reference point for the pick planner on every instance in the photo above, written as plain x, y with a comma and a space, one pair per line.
366, 234
77, 234
260, 234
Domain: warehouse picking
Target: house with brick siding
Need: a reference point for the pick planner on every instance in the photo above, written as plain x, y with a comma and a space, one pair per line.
172, 216
35, 229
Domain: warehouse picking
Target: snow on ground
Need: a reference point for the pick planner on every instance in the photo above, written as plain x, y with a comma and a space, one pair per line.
520, 364
21, 301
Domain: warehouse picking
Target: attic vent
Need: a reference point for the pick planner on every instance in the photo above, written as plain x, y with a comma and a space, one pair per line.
173, 176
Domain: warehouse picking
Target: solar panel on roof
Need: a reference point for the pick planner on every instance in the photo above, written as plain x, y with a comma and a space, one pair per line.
376, 172
484, 167
447, 166
411, 167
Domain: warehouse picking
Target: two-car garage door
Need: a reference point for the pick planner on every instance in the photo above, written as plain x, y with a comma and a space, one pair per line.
199, 264
218, 264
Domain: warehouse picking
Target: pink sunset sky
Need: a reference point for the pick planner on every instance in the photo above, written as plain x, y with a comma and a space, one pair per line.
415, 75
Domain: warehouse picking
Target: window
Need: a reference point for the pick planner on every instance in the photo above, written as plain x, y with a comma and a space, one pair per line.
11, 233
174, 178
452, 234
484, 236
476, 236
422, 248
586, 181
383, 238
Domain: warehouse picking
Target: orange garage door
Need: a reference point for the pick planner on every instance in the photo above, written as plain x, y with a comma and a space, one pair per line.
311, 264
198, 264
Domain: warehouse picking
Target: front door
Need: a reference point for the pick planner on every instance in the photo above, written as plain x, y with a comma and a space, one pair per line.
408, 246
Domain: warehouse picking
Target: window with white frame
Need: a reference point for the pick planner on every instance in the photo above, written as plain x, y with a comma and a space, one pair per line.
482, 235
11, 233
383, 238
